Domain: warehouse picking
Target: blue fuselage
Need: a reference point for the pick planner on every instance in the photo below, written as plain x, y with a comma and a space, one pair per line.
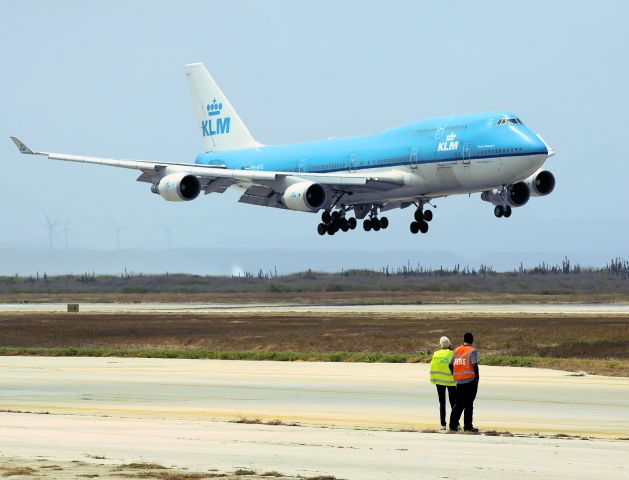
435, 140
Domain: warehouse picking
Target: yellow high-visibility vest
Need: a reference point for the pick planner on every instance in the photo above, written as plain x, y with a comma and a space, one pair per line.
439, 368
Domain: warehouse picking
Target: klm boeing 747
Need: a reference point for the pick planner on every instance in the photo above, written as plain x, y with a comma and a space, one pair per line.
347, 179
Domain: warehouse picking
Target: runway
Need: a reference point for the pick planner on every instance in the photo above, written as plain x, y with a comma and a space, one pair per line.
585, 309
349, 417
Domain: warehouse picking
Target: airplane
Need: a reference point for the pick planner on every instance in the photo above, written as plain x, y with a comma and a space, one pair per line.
353, 178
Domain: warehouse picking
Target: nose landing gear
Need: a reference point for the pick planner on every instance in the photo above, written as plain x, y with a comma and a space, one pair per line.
502, 211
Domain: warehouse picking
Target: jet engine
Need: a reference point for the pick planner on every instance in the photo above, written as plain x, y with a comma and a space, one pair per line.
514, 195
304, 196
178, 187
541, 183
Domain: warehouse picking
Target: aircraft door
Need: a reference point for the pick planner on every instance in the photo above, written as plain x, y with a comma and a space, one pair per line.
467, 153
301, 168
352, 162
413, 157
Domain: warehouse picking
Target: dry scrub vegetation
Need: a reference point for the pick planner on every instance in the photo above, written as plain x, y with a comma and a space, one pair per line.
408, 284
591, 343
41, 468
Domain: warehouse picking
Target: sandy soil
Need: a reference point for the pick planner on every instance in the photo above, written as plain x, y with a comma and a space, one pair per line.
354, 421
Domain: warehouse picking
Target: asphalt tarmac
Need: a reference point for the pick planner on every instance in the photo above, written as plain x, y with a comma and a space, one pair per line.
349, 417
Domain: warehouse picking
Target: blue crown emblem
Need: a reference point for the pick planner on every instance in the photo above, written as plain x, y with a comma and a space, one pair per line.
214, 108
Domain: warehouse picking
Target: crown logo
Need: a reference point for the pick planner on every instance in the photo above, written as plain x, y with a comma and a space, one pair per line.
214, 108
451, 137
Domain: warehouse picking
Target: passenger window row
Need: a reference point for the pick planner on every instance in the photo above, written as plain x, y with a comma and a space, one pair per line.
445, 129
494, 151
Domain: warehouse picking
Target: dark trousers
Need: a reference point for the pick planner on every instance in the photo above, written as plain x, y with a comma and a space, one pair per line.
465, 395
441, 392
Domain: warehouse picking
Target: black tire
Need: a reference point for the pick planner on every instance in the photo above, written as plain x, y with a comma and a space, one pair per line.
427, 215
352, 223
507, 213
335, 216
414, 227
325, 217
423, 227
419, 215
367, 225
498, 211
322, 229
330, 229
344, 224
375, 224
384, 223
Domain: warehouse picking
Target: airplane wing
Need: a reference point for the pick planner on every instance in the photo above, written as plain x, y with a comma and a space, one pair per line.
218, 179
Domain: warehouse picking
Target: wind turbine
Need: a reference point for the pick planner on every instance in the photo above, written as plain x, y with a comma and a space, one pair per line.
66, 231
119, 229
50, 226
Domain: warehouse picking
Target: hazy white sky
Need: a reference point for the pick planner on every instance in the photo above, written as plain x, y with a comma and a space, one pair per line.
106, 78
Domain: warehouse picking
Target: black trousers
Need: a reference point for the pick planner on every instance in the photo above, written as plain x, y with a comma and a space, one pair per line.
441, 392
465, 395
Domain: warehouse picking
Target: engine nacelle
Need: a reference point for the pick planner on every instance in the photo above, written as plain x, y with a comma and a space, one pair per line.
178, 187
541, 183
515, 195
304, 196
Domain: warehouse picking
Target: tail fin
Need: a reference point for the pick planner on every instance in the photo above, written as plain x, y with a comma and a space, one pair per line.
221, 127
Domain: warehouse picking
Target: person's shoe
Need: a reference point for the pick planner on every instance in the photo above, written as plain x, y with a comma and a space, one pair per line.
471, 429
453, 430
443, 427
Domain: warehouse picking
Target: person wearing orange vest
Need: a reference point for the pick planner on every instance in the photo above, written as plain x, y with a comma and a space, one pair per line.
464, 368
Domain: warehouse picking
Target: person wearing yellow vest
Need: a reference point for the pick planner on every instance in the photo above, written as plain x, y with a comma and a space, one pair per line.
464, 368
441, 376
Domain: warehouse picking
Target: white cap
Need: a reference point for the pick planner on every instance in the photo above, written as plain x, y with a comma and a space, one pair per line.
444, 342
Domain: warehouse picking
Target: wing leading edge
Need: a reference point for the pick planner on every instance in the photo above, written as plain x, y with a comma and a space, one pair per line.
218, 179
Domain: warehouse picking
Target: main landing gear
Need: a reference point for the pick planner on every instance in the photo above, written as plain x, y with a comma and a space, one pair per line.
374, 223
335, 221
422, 217
502, 211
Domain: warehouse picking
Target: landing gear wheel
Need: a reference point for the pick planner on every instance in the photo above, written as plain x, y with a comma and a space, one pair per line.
336, 216
375, 224
423, 227
322, 229
427, 215
414, 227
367, 225
507, 213
419, 215
331, 229
498, 211
352, 223
344, 224
384, 223
325, 217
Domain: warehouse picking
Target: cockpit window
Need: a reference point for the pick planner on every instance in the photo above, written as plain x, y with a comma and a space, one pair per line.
503, 121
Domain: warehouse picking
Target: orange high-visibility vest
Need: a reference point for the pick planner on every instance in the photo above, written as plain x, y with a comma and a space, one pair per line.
462, 363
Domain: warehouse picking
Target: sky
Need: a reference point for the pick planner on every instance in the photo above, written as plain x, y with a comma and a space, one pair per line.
107, 79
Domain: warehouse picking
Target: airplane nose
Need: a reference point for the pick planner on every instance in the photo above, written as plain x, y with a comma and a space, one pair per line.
549, 150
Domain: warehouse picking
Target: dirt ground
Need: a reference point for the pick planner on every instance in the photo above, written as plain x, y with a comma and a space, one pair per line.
580, 336
95, 466
326, 297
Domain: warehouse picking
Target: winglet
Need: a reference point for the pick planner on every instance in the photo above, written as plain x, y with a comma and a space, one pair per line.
21, 147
